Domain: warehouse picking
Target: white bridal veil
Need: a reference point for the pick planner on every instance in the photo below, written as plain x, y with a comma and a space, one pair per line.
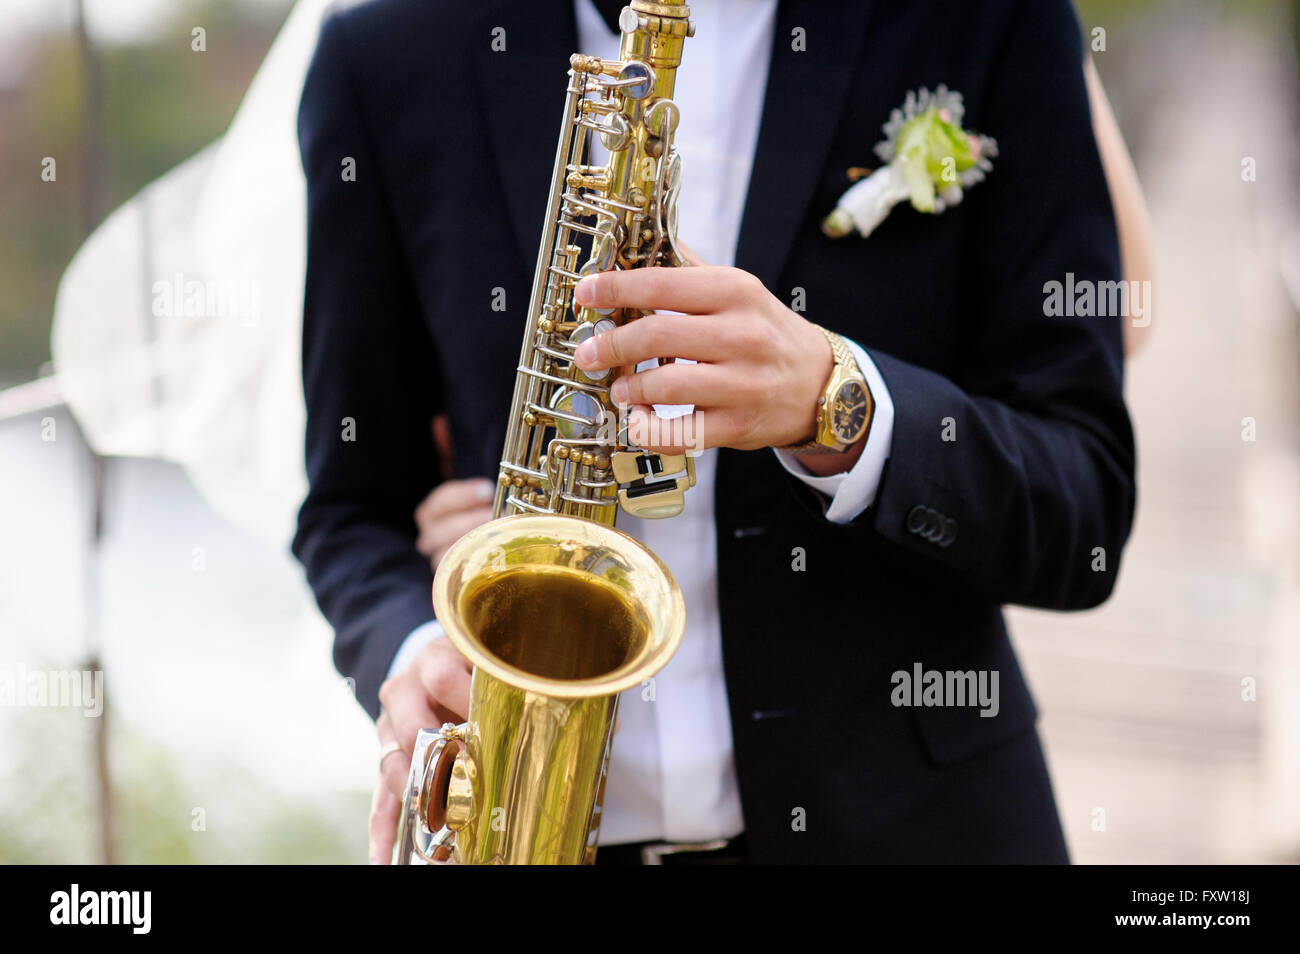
177, 325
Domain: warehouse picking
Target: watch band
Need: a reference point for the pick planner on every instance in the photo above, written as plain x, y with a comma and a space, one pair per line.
843, 356
843, 359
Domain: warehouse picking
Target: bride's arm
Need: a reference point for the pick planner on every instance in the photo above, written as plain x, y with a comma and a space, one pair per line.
1131, 216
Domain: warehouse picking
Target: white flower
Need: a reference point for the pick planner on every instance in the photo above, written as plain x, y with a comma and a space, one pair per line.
866, 204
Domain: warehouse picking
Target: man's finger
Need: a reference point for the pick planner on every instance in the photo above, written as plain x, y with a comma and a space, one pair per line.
394, 767
700, 338
675, 435
453, 496
437, 534
394, 773
385, 808
446, 677
705, 385
386, 803
410, 710
695, 291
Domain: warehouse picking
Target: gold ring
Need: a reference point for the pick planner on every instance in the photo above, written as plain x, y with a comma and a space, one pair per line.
386, 751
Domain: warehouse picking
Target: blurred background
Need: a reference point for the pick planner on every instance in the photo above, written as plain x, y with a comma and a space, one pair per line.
1171, 715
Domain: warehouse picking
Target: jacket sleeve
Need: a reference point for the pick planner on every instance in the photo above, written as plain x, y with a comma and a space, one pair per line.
371, 387
1013, 476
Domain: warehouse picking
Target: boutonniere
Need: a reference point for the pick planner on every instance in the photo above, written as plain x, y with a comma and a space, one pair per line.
929, 160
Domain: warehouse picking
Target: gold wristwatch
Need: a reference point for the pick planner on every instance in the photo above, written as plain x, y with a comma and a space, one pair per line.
845, 409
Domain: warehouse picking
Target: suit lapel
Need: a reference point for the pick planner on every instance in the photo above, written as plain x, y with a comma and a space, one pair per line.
523, 99
806, 93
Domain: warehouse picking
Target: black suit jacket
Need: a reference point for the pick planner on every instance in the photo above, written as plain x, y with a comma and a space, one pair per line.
452, 145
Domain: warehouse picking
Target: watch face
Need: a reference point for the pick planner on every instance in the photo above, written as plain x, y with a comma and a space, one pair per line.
849, 413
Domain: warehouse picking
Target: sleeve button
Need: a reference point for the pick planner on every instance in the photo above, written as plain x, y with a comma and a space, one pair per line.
917, 519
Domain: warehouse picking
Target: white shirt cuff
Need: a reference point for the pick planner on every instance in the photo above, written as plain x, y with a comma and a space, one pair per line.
855, 490
416, 640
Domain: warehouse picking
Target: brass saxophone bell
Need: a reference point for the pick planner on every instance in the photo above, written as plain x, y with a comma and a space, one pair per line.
558, 615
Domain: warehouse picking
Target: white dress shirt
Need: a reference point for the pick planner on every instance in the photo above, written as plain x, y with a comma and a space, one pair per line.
672, 775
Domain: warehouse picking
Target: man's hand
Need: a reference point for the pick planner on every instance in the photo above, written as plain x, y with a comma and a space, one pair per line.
454, 508
761, 367
434, 689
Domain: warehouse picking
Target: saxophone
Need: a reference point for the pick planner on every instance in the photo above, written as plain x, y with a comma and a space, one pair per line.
558, 611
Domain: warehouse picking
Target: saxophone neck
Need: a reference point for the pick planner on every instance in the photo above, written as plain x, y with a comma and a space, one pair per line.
655, 33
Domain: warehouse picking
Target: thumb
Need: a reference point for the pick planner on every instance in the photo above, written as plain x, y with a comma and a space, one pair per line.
692, 258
